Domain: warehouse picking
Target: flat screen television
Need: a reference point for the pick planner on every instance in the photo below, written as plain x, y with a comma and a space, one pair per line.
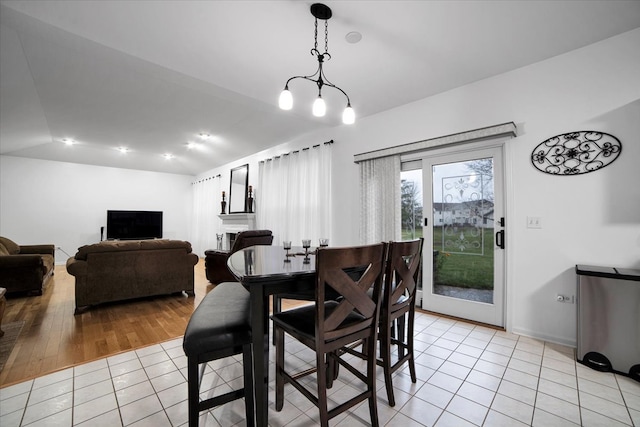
134, 225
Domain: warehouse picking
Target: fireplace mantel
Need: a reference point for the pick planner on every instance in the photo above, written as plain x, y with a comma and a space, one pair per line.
235, 223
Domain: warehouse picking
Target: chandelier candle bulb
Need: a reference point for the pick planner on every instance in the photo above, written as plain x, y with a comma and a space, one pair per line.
319, 107
348, 116
286, 100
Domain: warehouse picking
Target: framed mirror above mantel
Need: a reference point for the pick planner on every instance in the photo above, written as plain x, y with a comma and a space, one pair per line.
238, 189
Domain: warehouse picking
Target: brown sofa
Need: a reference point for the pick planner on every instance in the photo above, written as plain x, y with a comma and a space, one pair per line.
25, 268
121, 270
215, 261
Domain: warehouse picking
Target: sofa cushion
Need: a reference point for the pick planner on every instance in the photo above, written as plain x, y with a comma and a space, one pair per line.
12, 247
108, 246
165, 244
130, 245
3, 250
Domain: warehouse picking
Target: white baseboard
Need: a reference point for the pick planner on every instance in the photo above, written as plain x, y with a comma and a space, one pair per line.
569, 342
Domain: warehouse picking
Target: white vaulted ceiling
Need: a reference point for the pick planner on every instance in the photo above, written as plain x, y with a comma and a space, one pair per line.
151, 75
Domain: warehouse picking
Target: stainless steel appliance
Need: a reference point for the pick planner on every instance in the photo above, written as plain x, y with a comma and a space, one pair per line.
609, 319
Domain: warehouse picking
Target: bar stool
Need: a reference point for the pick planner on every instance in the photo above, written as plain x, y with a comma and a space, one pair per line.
219, 327
328, 325
402, 274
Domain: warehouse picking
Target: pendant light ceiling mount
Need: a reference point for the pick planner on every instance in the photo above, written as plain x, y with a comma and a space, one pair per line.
322, 12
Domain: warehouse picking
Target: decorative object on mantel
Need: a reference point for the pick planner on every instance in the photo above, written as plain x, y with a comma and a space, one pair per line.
323, 12
576, 153
223, 204
250, 200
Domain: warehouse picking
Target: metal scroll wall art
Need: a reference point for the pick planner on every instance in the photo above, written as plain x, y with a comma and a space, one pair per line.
576, 153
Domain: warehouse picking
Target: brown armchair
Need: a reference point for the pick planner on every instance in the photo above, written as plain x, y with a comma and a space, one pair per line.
215, 261
25, 268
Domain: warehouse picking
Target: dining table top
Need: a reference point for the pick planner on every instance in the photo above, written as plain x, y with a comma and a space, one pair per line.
258, 263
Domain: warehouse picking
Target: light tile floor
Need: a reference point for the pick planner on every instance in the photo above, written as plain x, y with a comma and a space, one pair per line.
468, 375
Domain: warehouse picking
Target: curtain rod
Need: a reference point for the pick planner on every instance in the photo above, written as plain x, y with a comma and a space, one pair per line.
295, 151
206, 179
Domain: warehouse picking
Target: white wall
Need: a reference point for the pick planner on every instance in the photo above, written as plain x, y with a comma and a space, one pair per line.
65, 204
593, 218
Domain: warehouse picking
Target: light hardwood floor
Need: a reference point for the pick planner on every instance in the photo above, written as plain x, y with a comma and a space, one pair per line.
54, 338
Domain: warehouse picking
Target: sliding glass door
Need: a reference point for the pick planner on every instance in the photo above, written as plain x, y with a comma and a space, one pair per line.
463, 228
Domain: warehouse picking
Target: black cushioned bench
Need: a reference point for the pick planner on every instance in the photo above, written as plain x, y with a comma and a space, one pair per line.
219, 327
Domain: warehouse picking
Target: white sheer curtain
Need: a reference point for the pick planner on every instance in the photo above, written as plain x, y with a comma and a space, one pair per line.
380, 216
293, 197
206, 207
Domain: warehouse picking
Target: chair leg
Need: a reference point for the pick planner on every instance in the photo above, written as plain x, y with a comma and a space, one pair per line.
277, 308
193, 385
322, 373
412, 364
401, 336
371, 380
332, 368
385, 351
247, 362
278, 334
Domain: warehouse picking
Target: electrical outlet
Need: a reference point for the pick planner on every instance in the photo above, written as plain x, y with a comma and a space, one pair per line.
565, 298
534, 222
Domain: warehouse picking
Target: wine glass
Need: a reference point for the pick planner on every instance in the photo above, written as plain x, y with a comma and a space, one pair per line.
287, 247
324, 242
306, 244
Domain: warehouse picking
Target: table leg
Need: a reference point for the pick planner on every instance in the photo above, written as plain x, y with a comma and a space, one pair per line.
260, 342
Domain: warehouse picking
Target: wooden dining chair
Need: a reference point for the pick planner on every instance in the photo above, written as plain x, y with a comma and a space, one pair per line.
402, 274
328, 325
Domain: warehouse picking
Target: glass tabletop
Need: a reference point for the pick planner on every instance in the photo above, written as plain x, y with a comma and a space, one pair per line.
267, 262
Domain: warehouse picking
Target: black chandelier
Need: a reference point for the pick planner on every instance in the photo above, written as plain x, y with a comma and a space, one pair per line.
319, 11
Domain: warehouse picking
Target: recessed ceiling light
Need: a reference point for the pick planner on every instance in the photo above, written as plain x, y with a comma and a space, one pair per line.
191, 145
204, 136
353, 37
68, 141
123, 150
168, 156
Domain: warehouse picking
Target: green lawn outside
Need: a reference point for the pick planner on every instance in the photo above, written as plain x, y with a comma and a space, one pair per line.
462, 270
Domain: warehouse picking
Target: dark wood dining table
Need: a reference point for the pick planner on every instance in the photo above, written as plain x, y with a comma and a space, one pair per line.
265, 271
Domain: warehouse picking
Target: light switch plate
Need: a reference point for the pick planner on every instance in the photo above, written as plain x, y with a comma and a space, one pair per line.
534, 222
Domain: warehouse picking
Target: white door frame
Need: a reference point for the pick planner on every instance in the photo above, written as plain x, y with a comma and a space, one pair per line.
476, 149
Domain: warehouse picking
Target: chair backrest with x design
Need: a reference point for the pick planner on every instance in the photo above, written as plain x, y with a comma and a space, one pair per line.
401, 277
356, 312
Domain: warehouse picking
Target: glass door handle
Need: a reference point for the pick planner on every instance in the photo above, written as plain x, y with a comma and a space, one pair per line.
500, 239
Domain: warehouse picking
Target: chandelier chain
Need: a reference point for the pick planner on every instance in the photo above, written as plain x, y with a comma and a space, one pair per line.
326, 36
315, 36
